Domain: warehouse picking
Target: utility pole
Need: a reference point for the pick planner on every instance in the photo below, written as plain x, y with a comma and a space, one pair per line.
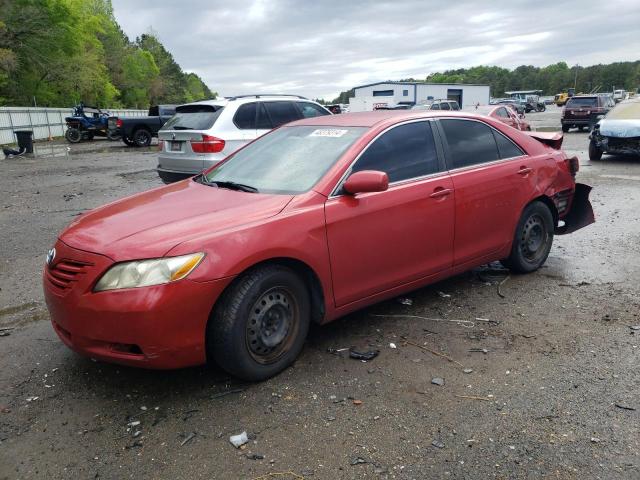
575, 81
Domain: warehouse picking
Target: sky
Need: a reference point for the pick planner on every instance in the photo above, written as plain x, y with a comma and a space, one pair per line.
319, 48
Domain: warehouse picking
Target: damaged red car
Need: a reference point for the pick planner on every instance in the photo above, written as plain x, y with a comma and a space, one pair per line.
502, 113
307, 223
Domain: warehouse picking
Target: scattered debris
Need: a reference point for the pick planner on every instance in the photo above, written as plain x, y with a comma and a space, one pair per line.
473, 397
337, 351
32, 399
444, 295
437, 444
228, 392
137, 433
467, 370
437, 381
357, 402
625, 407
404, 301
190, 437
254, 456
5, 331
266, 476
136, 444
500, 294
392, 345
364, 356
435, 353
479, 350
133, 424
462, 323
595, 440
239, 440
634, 327
358, 461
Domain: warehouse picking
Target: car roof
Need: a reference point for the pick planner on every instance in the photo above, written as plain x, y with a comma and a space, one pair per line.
584, 96
249, 98
370, 119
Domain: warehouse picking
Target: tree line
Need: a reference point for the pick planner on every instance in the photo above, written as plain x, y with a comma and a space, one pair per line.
551, 79
61, 52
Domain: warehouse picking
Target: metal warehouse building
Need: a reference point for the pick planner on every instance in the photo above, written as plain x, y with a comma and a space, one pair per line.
391, 94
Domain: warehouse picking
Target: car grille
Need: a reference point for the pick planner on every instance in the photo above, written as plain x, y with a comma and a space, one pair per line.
64, 274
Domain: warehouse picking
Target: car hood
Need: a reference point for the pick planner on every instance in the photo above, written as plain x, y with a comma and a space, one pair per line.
622, 128
151, 223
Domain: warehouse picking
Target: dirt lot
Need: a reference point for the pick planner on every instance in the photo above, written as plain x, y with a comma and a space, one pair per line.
554, 396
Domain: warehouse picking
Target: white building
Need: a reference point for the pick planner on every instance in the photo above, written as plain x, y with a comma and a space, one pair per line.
392, 94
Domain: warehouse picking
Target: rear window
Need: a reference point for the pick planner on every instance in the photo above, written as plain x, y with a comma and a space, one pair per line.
194, 117
582, 102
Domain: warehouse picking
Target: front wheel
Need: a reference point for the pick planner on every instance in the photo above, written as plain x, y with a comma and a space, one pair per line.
541, 108
260, 323
73, 135
142, 138
532, 240
595, 152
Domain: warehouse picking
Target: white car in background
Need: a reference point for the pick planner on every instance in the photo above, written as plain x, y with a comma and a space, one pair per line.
202, 134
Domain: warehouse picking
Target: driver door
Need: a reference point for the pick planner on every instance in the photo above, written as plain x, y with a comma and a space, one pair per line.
381, 240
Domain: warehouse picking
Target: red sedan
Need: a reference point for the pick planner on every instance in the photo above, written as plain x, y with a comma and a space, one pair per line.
502, 113
312, 221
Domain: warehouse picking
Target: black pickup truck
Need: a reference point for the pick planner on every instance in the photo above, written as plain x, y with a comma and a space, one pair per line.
138, 131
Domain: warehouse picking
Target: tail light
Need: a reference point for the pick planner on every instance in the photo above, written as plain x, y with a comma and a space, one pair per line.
573, 164
160, 145
119, 123
208, 144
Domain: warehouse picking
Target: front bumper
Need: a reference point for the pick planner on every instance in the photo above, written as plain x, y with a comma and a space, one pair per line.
160, 327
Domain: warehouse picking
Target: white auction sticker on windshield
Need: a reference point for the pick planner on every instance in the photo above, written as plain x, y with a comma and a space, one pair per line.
328, 132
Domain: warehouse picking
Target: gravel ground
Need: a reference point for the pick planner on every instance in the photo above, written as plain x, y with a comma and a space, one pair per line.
554, 396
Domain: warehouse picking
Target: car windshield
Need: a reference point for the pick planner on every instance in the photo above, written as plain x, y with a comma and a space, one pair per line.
289, 160
194, 117
583, 102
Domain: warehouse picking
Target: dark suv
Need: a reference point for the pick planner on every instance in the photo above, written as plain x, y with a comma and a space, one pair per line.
583, 110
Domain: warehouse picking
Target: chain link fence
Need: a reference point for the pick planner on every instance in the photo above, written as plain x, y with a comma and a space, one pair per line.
44, 122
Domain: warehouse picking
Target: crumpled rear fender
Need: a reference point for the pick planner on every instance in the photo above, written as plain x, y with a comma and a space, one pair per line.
581, 213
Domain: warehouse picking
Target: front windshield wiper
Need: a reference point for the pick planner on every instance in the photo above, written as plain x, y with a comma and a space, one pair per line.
226, 184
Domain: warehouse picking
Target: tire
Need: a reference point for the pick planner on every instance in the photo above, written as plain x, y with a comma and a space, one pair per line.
532, 240
581, 128
239, 338
565, 128
541, 108
142, 137
595, 152
127, 141
73, 135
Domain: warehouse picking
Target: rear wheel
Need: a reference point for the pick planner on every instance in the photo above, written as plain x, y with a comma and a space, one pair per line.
595, 152
532, 240
142, 138
260, 324
113, 136
565, 128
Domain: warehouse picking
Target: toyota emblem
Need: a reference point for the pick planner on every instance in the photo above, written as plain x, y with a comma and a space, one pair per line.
51, 254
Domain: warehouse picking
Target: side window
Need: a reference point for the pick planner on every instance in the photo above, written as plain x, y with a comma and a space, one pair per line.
311, 110
502, 112
445, 106
245, 117
435, 106
455, 106
282, 112
262, 121
470, 142
506, 147
404, 152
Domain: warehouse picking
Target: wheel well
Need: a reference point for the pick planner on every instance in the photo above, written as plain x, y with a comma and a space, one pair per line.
549, 203
140, 127
316, 293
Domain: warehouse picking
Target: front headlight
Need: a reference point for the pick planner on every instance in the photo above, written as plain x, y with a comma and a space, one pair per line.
143, 273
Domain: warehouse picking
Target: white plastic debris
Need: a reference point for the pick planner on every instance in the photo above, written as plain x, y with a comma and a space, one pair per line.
239, 440
31, 399
392, 345
405, 301
444, 295
135, 423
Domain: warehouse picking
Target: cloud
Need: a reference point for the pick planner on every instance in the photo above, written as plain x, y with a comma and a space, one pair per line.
319, 48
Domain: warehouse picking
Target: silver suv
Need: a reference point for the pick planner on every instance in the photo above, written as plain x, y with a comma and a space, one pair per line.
201, 134
437, 105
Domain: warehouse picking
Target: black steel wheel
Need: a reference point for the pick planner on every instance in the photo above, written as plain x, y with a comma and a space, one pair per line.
259, 325
142, 138
73, 135
533, 239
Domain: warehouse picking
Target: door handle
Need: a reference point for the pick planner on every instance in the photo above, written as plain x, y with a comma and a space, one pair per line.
524, 170
440, 192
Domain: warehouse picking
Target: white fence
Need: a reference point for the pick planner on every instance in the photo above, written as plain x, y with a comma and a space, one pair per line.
45, 122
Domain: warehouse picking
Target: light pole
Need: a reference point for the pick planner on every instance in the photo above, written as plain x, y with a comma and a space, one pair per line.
575, 80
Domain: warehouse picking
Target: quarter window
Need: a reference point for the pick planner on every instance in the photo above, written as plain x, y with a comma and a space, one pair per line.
245, 117
470, 142
262, 121
502, 112
407, 151
282, 112
506, 147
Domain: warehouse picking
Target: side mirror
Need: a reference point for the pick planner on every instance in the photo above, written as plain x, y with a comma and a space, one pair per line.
366, 181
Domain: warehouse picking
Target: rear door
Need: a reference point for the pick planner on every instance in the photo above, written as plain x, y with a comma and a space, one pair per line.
493, 180
378, 241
